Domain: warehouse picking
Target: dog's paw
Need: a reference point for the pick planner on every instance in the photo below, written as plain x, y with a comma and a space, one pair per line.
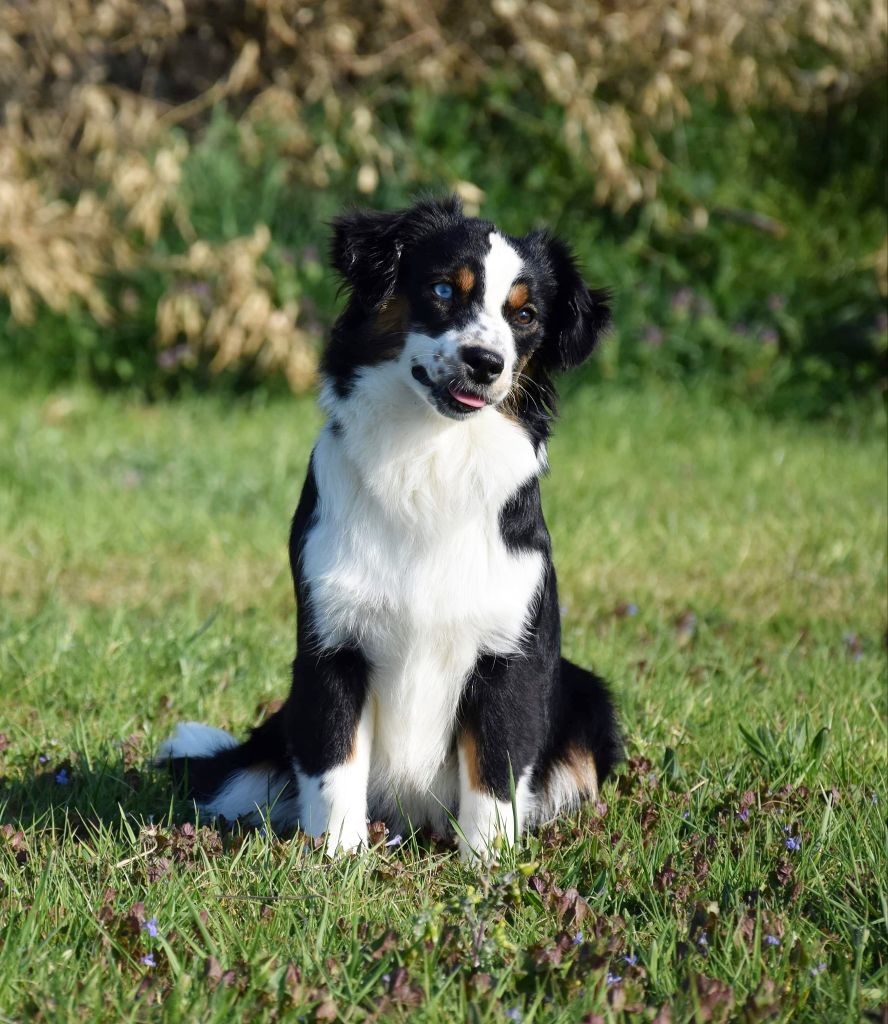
349, 837
477, 849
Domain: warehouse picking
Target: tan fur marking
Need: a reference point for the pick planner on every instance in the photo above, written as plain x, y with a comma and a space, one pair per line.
581, 765
518, 296
390, 317
473, 765
464, 279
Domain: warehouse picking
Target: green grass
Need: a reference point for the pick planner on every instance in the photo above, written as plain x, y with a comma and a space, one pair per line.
726, 572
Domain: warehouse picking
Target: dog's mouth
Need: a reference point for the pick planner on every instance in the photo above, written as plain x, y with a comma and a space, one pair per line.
455, 399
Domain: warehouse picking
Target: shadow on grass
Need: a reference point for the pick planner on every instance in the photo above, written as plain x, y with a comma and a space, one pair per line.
111, 796
104, 793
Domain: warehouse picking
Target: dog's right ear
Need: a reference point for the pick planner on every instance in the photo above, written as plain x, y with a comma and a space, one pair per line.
366, 251
367, 245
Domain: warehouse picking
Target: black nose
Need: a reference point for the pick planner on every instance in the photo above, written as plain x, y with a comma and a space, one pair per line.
484, 366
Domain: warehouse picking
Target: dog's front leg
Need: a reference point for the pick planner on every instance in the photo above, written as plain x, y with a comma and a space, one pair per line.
498, 746
330, 728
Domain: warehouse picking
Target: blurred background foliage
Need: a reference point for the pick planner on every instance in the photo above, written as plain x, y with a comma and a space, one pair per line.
167, 168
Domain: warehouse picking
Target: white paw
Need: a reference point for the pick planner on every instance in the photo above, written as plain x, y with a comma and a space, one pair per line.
473, 854
348, 837
477, 847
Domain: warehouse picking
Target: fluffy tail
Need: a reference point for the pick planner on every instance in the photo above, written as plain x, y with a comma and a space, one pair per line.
247, 780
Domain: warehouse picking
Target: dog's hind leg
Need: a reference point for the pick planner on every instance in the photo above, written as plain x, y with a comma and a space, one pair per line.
585, 744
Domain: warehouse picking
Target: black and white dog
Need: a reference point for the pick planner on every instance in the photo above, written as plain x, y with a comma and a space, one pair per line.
428, 684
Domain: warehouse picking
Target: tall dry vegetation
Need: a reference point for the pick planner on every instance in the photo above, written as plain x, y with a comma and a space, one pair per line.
103, 100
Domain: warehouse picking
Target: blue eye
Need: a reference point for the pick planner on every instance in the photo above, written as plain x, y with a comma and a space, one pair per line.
443, 290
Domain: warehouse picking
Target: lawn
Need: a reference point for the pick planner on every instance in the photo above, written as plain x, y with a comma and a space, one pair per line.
726, 572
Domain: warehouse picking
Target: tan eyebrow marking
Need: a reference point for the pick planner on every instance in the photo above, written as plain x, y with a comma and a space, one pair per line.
518, 296
464, 279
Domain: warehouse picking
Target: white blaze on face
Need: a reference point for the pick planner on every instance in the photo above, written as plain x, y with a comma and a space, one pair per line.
502, 265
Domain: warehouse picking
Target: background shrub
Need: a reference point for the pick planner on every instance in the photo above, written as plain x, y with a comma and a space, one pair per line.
166, 170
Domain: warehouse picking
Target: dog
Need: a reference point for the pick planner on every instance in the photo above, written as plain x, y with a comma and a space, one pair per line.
428, 685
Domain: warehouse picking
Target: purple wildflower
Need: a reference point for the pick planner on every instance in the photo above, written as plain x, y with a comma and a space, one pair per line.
818, 969
632, 959
793, 843
150, 926
682, 299
43, 759
578, 938
612, 979
148, 960
169, 358
513, 1013
703, 940
200, 290
395, 840
772, 940
631, 609
62, 778
744, 814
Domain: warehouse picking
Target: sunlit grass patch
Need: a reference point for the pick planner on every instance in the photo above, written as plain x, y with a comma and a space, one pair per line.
725, 572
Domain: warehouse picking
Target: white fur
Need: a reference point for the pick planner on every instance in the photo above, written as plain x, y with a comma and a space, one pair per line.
482, 817
563, 791
253, 793
406, 557
193, 739
439, 355
336, 802
502, 265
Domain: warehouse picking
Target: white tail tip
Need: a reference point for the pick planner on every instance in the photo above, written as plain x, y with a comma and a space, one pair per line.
192, 739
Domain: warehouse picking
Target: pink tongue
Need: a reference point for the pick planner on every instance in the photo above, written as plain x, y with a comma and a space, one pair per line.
471, 400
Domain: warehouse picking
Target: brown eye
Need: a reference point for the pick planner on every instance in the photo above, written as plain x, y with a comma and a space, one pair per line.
526, 315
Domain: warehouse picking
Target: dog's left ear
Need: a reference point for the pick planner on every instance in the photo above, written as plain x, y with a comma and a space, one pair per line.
577, 315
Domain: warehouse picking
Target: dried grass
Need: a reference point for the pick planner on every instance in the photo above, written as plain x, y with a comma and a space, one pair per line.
90, 164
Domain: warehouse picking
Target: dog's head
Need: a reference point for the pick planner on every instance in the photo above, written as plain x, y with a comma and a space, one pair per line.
462, 315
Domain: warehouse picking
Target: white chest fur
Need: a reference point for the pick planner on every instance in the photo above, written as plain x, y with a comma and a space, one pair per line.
406, 557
